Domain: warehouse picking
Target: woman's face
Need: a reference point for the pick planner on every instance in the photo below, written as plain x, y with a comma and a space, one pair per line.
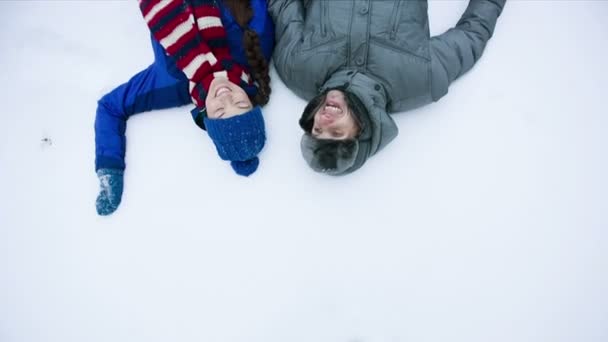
334, 120
226, 99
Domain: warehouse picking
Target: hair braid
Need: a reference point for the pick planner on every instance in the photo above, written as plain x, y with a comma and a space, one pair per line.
242, 12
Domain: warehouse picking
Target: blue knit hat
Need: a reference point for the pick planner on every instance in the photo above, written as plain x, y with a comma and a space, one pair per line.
239, 139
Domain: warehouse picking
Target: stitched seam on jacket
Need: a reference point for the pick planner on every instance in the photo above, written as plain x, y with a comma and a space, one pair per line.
397, 49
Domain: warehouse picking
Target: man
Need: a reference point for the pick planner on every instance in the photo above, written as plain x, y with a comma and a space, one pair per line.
357, 61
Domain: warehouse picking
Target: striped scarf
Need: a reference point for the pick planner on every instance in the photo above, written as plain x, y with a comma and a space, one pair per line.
192, 33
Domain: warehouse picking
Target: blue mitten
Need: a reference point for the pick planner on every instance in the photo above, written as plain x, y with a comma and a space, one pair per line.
110, 193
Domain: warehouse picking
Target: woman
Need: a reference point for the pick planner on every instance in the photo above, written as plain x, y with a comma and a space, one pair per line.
357, 61
211, 53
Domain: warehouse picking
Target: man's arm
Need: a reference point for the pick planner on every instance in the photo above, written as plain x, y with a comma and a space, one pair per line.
288, 17
454, 52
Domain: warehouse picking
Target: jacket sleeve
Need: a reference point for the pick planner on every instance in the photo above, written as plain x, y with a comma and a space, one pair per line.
288, 17
151, 89
455, 52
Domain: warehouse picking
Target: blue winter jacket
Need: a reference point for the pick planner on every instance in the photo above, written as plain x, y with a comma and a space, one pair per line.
162, 85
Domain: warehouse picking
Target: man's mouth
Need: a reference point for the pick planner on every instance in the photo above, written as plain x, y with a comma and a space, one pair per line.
332, 108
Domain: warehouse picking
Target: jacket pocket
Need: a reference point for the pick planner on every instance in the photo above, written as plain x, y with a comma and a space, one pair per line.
405, 74
394, 22
328, 45
309, 68
324, 18
321, 47
400, 49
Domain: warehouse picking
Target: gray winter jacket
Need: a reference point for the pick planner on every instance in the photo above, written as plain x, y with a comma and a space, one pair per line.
379, 50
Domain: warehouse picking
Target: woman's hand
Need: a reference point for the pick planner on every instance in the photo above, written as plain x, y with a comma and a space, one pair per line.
110, 193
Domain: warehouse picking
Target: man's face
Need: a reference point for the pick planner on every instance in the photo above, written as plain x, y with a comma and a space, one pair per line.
226, 99
334, 120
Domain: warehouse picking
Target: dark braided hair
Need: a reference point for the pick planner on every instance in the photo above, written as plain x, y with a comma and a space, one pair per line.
242, 12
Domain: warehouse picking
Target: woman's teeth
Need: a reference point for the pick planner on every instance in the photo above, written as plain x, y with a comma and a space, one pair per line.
221, 91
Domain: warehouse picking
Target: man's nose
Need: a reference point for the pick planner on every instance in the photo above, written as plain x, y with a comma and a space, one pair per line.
326, 119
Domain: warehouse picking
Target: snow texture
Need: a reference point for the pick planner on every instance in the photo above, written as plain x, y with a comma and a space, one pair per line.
485, 220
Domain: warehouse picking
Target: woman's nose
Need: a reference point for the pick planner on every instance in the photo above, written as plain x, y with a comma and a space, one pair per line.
226, 98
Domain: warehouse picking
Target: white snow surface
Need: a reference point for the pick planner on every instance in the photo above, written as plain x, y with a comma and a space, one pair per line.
485, 220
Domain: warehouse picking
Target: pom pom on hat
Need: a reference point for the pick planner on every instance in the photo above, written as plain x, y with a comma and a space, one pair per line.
246, 167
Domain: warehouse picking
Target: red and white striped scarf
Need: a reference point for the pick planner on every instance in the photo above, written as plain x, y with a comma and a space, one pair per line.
191, 32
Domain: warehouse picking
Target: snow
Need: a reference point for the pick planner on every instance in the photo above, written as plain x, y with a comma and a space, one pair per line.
485, 220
